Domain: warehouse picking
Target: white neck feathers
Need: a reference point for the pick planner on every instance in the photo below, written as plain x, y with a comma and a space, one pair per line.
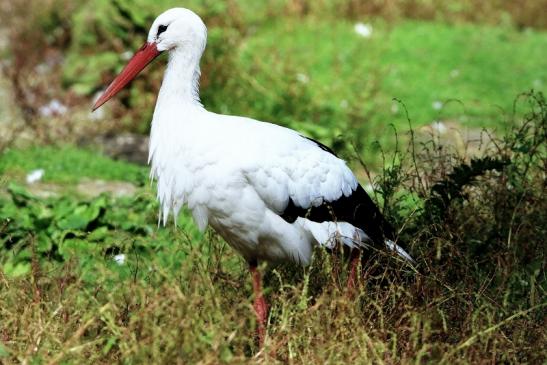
181, 79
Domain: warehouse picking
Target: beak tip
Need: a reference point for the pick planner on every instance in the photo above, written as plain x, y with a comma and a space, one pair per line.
99, 102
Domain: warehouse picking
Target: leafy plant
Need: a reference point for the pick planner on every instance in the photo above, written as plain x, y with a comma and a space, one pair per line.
62, 228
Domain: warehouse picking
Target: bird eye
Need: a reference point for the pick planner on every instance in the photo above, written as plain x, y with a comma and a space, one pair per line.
161, 29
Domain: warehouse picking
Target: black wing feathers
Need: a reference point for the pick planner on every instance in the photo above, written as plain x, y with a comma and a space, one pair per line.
357, 209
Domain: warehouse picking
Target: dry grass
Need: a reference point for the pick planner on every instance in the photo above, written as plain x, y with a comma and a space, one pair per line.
200, 316
521, 14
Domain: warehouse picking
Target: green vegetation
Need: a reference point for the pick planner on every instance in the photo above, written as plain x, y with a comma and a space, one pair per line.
301, 64
323, 78
88, 278
65, 228
475, 229
348, 83
69, 165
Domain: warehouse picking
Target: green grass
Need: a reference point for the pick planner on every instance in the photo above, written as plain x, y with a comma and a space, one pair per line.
69, 164
259, 53
353, 80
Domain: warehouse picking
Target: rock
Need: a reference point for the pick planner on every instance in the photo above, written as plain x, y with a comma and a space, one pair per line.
129, 147
93, 188
45, 190
465, 141
87, 188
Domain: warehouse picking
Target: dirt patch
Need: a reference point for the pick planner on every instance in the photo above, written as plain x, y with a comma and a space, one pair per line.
93, 188
86, 188
464, 141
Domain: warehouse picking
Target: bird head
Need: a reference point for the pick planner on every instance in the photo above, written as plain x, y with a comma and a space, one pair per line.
175, 29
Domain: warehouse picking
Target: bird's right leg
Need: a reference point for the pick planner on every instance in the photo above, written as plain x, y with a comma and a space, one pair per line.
260, 306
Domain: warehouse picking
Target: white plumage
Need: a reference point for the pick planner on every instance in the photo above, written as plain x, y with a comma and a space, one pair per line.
239, 178
271, 193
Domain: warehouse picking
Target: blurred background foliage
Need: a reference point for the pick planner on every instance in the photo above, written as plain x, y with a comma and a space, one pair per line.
304, 64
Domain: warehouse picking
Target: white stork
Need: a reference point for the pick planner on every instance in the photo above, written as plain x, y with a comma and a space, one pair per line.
271, 193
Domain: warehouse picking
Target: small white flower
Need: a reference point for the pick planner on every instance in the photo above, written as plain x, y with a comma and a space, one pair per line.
120, 259
45, 111
126, 56
54, 107
439, 127
363, 30
437, 105
58, 107
35, 176
344, 104
303, 78
454, 73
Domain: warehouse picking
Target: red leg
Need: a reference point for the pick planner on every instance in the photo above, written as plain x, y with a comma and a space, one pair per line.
260, 306
353, 269
335, 257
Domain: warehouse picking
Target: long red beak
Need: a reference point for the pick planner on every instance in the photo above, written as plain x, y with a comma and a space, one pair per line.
136, 64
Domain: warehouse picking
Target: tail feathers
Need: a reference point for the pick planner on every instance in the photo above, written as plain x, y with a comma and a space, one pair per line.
328, 233
399, 251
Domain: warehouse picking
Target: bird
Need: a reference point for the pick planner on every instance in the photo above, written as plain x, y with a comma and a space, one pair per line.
270, 192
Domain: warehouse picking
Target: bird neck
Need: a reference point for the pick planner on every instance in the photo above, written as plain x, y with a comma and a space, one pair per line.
178, 106
181, 79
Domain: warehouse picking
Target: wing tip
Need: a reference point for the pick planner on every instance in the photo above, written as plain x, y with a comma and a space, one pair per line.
399, 251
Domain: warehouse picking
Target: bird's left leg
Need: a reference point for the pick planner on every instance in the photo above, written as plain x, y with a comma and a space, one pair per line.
260, 306
355, 258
